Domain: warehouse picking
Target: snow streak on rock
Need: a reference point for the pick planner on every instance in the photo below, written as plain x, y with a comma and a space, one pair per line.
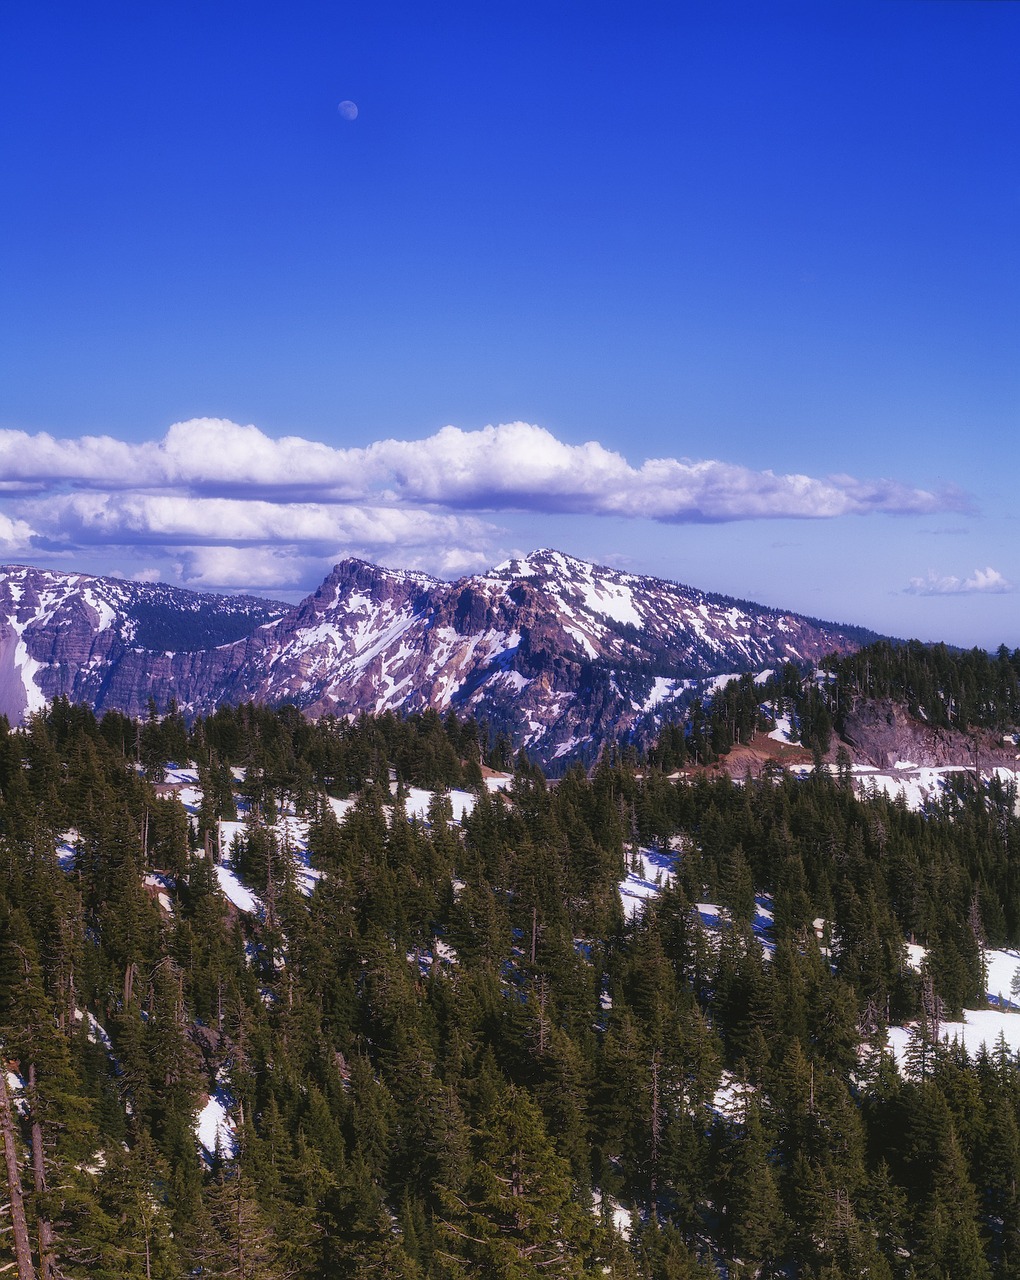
559, 653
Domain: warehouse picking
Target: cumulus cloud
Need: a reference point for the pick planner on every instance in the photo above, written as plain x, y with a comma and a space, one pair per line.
229, 543
282, 568
171, 519
246, 568
520, 466
218, 492
516, 466
988, 581
15, 535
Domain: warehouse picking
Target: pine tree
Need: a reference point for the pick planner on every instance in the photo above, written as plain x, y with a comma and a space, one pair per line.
755, 1223
131, 1235
517, 1216
238, 1241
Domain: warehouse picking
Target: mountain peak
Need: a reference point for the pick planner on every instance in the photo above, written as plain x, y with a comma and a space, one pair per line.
556, 652
545, 562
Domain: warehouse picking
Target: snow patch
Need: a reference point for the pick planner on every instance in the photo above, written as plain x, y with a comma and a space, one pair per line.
235, 891
214, 1127
783, 732
651, 870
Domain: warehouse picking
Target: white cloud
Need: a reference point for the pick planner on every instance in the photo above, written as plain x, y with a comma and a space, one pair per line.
989, 581
15, 535
450, 561
171, 519
521, 466
42, 460
211, 487
516, 466
246, 568
229, 543
282, 568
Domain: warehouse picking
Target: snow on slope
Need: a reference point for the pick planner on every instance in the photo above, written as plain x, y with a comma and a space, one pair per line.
917, 786
650, 871
558, 652
214, 1127
978, 1028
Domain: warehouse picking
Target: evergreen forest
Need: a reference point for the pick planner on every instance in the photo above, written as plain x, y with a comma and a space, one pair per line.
447, 1051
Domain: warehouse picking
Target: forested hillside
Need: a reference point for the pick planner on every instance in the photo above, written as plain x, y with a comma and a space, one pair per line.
262, 1020
962, 692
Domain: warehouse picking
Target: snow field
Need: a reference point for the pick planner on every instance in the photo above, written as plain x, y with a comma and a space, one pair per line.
214, 1127
418, 802
978, 1027
234, 891
654, 870
919, 785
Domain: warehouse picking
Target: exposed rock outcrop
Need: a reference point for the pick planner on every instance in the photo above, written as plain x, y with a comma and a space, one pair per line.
557, 652
883, 733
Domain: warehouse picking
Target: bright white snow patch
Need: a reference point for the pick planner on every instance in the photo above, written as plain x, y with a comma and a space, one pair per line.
731, 1097
239, 895
181, 775
623, 1219
654, 870
979, 1027
783, 732
612, 600
441, 953
1001, 966
96, 1032
418, 802
16, 1088
463, 803
159, 883
915, 956
341, 807
661, 690
214, 1127
919, 785
715, 918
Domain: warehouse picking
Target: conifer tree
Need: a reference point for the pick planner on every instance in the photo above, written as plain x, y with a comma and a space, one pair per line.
516, 1216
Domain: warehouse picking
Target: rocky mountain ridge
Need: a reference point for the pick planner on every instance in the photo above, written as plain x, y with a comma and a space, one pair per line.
557, 652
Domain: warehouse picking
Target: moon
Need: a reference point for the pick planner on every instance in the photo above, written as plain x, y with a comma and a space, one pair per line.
348, 109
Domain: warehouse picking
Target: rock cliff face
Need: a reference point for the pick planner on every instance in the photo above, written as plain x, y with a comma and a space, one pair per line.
557, 652
883, 733
106, 642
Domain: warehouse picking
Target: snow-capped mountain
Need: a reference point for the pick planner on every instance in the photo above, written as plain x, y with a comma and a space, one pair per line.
558, 652
84, 636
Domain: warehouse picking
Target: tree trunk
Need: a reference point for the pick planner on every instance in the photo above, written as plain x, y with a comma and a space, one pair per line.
47, 1241
19, 1224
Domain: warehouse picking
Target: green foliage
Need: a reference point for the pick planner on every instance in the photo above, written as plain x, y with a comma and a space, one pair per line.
456, 1056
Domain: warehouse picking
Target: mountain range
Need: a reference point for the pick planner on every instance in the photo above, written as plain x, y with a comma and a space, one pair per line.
558, 653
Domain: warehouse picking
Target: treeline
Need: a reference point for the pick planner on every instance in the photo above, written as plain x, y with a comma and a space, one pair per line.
944, 687
457, 1057
328, 754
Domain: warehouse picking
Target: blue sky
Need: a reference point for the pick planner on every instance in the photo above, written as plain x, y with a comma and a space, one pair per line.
746, 276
